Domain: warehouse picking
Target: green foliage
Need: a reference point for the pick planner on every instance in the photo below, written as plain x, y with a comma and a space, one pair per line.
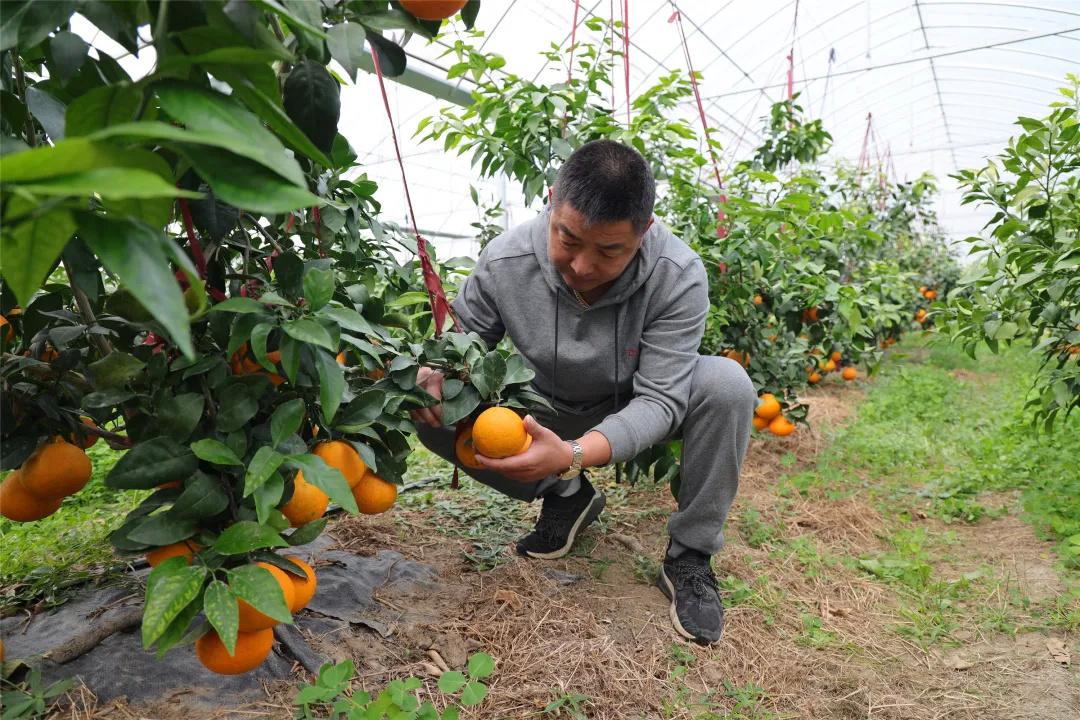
331, 696
29, 699
1025, 287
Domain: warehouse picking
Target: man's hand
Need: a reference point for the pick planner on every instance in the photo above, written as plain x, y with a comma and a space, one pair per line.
548, 454
431, 382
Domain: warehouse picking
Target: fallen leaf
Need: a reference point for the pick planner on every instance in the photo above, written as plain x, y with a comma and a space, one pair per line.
959, 662
1058, 651
509, 597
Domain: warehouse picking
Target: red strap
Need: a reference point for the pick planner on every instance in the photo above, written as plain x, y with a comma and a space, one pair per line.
196, 248
791, 74
721, 228
573, 41
626, 55
440, 306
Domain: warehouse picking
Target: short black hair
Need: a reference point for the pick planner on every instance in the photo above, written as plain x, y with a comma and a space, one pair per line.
607, 181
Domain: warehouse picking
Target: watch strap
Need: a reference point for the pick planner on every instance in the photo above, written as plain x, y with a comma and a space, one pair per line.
577, 454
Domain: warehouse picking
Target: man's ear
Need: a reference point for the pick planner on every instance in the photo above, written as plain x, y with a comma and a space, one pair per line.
651, 219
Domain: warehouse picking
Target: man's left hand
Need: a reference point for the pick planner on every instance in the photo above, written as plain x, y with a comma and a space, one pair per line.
548, 454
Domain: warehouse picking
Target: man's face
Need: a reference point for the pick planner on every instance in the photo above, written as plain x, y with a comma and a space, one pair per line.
589, 256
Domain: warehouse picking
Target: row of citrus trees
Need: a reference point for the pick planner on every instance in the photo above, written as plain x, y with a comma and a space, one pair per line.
194, 272
811, 270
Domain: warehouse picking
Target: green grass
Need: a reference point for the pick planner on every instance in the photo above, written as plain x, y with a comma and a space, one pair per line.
54, 553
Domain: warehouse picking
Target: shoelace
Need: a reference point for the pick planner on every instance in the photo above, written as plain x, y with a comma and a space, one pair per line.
699, 577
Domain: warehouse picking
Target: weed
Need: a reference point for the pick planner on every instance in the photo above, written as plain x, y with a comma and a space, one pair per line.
570, 704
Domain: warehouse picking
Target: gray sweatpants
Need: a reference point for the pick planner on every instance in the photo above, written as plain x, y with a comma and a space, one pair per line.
715, 434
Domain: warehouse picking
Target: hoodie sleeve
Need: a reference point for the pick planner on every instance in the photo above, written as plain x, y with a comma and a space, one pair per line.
666, 361
476, 306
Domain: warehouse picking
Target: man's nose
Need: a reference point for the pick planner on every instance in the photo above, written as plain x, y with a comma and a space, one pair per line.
582, 266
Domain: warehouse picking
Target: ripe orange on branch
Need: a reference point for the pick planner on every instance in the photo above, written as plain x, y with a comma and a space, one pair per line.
433, 9
739, 357
303, 587
759, 422
184, 548
307, 503
55, 470
251, 649
850, 373
781, 426
342, 456
768, 408
499, 433
18, 504
374, 495
466, 451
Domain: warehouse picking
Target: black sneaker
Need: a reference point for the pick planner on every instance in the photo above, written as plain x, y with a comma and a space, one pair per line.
696, 610
561, 519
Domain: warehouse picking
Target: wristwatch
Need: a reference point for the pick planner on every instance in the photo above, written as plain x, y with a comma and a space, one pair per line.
575, 462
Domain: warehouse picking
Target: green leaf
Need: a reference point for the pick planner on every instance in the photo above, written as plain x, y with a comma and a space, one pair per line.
331, 384
328, 479
101, 107
488, 374
268, 496
318, 287
274, 115
469, 13
240, 305
260, 589
481, 665
137, 255
223, 612
162, 529
179, 415
203, 497
391, 57
151, 463
262, 466
69, 52
237, 409
291, 17
244, 183
473, 694
245, 536
215, 452
115, 370
31, 248
451, 682
307, 532
309, 331
286, 420
460, 406
213, 114
171, 587
348, 319
48, 110
346, 44
110, 183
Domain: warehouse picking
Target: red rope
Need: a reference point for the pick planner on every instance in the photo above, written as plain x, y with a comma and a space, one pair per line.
676, 17
440, 306
573, 42
196, 248
626, 55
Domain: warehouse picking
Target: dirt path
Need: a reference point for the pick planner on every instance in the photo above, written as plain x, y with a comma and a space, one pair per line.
835, 608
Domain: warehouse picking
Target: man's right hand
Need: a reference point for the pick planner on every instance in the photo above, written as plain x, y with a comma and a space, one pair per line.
431, 382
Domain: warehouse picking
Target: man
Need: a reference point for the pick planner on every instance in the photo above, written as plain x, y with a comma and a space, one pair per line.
608, 308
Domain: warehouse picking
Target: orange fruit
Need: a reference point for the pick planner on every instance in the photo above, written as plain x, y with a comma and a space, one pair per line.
374, 495
303, 588
8, 330
923, 289
814, 378
828, 366
781, 426
850, 373
768, 407
307, 503
500, 433
252, 619
55, 470
810, 315
758, 299
342, 456
251, 649
433, 9
376, 374
464, 450
341, 358
184, 548
170, 484
88, 439
760, 423
17, 504
930, 294
835, 357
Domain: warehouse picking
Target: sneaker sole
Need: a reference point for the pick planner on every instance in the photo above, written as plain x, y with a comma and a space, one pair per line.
590, 513
669, 590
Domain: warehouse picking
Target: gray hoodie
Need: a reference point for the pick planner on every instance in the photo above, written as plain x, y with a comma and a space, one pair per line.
638, 342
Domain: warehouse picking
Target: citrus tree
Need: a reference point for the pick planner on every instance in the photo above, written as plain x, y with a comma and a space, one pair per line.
1025, 287
194, 270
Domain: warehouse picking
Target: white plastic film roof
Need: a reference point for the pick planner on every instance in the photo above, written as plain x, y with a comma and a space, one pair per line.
943, 79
